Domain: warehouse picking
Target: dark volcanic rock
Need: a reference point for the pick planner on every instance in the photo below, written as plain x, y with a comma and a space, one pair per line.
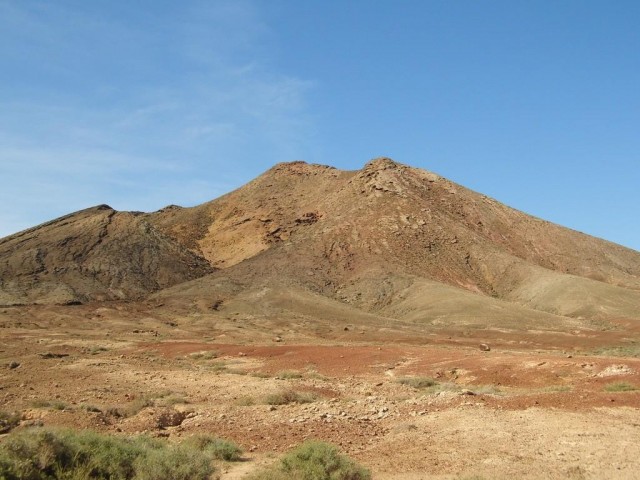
93, 254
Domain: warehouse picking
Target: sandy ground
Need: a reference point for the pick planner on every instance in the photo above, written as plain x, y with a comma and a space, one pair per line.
510, 412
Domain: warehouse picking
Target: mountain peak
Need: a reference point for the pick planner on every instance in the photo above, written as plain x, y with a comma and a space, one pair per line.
382, 163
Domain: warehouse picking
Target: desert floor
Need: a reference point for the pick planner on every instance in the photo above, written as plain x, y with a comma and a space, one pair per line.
534, 406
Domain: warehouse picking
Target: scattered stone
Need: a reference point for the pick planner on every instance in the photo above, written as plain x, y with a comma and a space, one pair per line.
277, 339
485, 347
216, 305
13, 365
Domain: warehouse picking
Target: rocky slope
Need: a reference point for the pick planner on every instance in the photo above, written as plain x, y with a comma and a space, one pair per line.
94, 254
373, 238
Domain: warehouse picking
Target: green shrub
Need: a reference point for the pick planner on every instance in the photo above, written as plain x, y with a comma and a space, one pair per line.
620, 387
216, 447
56, 454
178, 463
62, 454
314, 460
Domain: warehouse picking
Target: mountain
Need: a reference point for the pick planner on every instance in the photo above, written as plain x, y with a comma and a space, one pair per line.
387, 242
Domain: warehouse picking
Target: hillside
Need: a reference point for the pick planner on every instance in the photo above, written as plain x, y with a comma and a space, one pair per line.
94, 254
372, 238
388, 240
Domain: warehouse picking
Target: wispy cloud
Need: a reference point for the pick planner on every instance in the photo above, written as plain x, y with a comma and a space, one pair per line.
106, 109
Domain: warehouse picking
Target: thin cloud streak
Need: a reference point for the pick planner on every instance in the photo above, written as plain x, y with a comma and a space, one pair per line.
138, 143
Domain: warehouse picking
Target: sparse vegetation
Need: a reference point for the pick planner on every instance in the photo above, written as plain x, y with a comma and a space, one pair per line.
282, 397
285, 397
50, 404
236, 371
52, 454
418, 382
206, 355
216, 367
245, 401
218, 448
620, 387
90, 408
486, 390
314, 460
289, 375
8, 421
96, 350
158, 399
631, 350
557, 388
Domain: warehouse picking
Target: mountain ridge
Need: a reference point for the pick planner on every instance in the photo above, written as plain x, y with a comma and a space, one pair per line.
369, 238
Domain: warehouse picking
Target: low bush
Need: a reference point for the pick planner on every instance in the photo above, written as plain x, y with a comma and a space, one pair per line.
216, 447
178, 463
314, 460
57, 454
289, 396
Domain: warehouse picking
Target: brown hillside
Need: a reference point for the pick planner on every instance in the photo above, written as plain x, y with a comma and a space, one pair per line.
94, 254
391, 212
372, 237
387, 240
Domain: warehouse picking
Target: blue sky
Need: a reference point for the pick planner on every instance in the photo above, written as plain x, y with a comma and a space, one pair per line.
148, 103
